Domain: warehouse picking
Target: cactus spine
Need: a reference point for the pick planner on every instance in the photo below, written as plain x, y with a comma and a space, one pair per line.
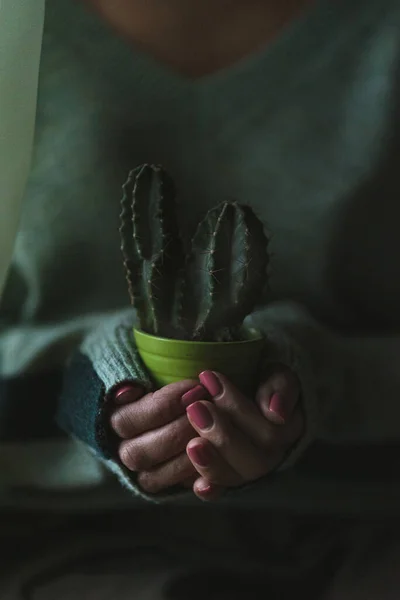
207, 296
225, 272
151, 246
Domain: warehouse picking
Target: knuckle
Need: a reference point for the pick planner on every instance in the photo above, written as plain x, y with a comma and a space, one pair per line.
169, 399
169, 404
149, 483
159, 395
182, 469
180, 433
132, 457
221, 440
178, 470
175, 431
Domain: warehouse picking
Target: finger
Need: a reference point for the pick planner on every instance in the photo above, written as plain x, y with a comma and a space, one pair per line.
278, 396
155, 447
127, 393
206, 491
230, 443
211, 465
173, 472
152, 410
242, 411
195, 394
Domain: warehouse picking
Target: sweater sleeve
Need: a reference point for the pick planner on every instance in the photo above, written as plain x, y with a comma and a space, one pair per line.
106, 358
350, 384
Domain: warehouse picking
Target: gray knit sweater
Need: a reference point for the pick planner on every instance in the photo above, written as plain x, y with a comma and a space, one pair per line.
307, 132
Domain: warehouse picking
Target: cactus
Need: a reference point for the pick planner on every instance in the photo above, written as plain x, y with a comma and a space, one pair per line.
207, 296
225, 272
151, 246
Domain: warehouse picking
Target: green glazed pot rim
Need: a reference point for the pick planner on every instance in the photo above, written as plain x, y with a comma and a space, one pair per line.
255, 337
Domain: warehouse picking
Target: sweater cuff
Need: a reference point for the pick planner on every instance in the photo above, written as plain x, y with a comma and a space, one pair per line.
107, 358
113, 354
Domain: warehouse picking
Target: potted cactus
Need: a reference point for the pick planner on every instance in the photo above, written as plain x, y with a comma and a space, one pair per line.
191, 303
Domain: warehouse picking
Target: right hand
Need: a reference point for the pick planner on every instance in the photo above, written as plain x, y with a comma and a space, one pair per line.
154, 432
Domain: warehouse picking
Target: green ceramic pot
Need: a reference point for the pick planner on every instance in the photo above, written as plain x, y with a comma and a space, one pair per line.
170, 360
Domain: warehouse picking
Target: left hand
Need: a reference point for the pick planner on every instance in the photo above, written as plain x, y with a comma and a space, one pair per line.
242, 440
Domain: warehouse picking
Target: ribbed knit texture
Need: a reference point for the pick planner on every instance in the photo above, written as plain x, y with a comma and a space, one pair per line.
112, 351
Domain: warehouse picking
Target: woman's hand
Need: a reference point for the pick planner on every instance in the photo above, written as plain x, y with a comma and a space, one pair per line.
242, 440
154, 432
208, 436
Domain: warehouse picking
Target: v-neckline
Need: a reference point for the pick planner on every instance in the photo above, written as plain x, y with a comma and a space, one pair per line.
274, 70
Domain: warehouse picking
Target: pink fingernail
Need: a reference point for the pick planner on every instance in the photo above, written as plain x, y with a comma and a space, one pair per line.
200, 416
206, 490
280, 405
193, 395
211, 382
200, 454
129, 392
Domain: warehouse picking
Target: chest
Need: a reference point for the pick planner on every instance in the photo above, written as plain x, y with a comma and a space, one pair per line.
314, 156
201, 37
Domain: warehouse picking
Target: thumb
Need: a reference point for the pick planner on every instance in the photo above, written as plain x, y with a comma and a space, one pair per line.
278, 396
224, 392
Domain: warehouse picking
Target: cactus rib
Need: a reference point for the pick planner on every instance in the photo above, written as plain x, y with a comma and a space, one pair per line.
151, 245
